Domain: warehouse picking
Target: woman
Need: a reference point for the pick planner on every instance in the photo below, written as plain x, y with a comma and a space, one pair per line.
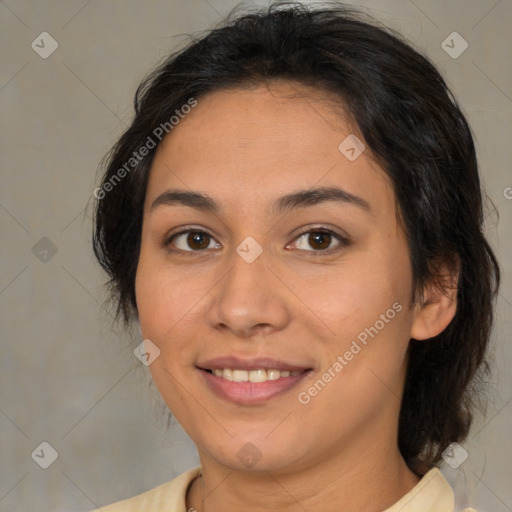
294, 218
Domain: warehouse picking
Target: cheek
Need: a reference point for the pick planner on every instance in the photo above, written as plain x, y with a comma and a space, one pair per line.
163, 303
364, 362
157, 298
366, 305
171, 304
161, 292
150, 296
357, 296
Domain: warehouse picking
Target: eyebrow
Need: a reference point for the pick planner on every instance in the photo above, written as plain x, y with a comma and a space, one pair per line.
286, 203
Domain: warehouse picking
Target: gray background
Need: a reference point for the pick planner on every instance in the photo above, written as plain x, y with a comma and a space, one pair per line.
68, 377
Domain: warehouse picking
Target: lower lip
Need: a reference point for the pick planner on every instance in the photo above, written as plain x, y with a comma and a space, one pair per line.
249, 393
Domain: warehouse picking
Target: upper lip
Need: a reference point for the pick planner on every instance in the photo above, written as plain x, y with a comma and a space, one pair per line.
254, 363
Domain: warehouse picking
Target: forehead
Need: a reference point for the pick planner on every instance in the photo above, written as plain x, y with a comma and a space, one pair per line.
259, 142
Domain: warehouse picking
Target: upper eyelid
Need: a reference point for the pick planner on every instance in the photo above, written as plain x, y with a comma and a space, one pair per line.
314, 229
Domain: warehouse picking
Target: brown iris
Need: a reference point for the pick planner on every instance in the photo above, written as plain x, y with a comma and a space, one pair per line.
198, 240
319, 239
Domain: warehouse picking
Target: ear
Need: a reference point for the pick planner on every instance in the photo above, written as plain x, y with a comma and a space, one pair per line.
438, 303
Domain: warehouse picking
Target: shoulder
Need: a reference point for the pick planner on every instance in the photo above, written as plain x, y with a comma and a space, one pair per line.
168, 496
432, 493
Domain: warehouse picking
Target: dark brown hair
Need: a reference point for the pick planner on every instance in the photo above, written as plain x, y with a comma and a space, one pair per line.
413, 127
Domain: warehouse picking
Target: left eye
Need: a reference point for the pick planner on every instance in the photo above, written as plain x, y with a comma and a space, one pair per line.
320, 240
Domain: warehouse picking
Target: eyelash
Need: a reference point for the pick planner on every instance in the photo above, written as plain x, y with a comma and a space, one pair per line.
342, 241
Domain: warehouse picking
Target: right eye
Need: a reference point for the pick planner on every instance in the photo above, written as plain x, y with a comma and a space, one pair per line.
192, 241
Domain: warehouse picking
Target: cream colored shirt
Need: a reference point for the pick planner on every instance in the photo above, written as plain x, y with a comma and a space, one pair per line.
431, 494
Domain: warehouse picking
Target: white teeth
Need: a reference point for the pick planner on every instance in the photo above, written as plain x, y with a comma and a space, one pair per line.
256, 376
240, 375
273, 374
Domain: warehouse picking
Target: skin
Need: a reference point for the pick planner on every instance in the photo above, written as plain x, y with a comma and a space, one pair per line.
245, 148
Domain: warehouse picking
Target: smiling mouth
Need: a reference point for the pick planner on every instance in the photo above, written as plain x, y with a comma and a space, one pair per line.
255, 376
252, 386
251, 380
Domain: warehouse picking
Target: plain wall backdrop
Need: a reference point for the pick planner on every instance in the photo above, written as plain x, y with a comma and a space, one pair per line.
67, 376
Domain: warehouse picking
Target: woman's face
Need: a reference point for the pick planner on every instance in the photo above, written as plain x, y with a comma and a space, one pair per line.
268, 248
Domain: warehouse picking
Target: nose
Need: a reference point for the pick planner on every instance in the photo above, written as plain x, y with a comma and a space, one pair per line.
249, 300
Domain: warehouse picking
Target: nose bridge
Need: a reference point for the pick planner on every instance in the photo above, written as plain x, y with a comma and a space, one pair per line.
248, 296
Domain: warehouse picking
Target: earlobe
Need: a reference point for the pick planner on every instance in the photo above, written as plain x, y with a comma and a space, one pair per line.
438, 306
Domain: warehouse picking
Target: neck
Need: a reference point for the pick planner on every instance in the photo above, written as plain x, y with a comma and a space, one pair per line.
362, 478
